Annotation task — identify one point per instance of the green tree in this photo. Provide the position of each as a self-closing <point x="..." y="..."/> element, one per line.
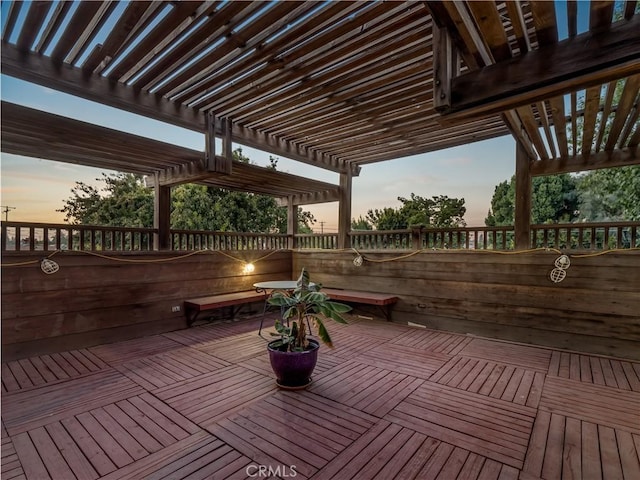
<point x="553" y="198"/>
<point x="387" y="219"/>
<point x="437" y="211"/>
<point x="125" y="202"/>
<point x="611" y="194"/>
<point x="502" y="205"/>
<point x="447" y="212"/>
<point x="360" y="224"/>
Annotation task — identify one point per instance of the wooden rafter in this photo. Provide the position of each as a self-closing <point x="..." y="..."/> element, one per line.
<point x="560" y="69"/>
<point x="579" y="163"/>
<point x="32" y="133"/>
<point x="71" y="80"/>
<point x="340" y="84"/>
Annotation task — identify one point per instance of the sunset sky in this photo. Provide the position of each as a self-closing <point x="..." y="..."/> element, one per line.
<point x="37" y="188"/>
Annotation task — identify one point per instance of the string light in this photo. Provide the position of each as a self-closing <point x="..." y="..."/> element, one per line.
<point x="248" y="268"/>
<point x="48" y="266"/>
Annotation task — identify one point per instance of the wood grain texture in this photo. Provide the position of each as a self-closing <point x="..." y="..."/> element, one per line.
<point x="503" y="296"/>
<point x="408" y="403"/>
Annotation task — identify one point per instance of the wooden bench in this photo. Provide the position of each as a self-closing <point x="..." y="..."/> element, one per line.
<point x="381" y="300"/>
<point x="195" y="306"/>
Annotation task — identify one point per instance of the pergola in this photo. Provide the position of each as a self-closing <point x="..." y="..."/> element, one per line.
<point x="489" y="368"/>
<point x="337" y="85"/>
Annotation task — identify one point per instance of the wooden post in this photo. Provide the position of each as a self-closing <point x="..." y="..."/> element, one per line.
<point x="416" y="237"/>
<point x="292" y="221"/>
<point x="210" y="139"/>
<point x="344" y="210"/>
<point x="161" y="216"/>
<point x="522" y="223"/>
<point x="444" y="68"/>
<point x="227" y="143"/>
<point x="218" y="163"/>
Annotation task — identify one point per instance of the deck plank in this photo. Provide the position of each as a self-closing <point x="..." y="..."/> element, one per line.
<point x="164" y="463"/>
<point x="531" y="358"/>
<point x="207" y="398"/>
<point x="408" y="360"/>
<point x="165" y="369"/>
<point x="597" y="404"/>
<point x="390" y="401"/>
<point x="372" y="390"/>
<point x="128" y="350"/>
<point x="26" y="410"/>
<point x="489" y="427"/>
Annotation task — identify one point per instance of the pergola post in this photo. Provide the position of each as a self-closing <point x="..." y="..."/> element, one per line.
<point x="161" y="216"/>
<point x="344" y="209"/>
<point x="292" y="221"/>
<point x="522" y="221"/>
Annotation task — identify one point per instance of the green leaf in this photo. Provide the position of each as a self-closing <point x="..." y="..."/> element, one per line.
<point x="323" y="333"/>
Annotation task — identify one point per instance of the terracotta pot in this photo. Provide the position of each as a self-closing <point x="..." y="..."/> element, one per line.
<point x="293" y="369"/>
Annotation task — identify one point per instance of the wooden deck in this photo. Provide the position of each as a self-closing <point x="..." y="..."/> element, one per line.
<point x="388" y="402"/>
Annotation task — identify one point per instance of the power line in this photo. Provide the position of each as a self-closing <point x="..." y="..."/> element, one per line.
<point x="5" y="210"/>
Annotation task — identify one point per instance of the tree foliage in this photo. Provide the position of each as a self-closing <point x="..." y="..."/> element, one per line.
<point x="360" y="224"/>
<point x="125" y="201"/>
<point x="611" y="194"/>
<point x="437" y="211"/>
<point x="604" y="195"/>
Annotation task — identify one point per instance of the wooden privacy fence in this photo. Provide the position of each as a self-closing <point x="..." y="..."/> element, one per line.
<point x="23" y="236"/>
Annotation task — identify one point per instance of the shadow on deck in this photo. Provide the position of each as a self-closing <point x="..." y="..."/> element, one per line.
<point x="389" y="402"/>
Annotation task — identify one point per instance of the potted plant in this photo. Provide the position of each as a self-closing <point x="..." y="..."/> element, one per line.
<point x="293" y="355"/>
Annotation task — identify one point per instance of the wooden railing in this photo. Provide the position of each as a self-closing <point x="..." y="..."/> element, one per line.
<point x="382" y="239"/>
<point x="200" y="240"/>
<point x="23" y="236"/>
<point x="315" y="240"/>
<point x="587" y="236"/>
<point x="473" y="238"/>
<point x="19" y="236"/>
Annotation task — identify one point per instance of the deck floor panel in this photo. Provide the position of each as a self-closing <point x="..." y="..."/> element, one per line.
<point x="236" y="348"/>
<point x="567" y="447"/>
<point x="408" y="360"/>
<point x="120" y="352"/>
<point x="489" y="427"/>
<point x="513" y="384"/>
<point x="599" y="404"/>
<point x="47" y="369"/>
<point x="531" y="358"/>
<point x="177" y="461"/>
<point x="369" y="389"/>
<point x="433" y="341"/>
<point x="25" y="410"/>
<point x="168" y="368"/>
<point x="597" y="370"/>
<point x="389" y="402"/>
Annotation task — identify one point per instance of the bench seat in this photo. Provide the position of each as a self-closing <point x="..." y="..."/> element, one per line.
<point x="195" y="306"/>
<point x="382" y="300"/>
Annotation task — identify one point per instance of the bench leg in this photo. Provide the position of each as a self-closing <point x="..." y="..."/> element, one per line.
<point x="192" y="317"/>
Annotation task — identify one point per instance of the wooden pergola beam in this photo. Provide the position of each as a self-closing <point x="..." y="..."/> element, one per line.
<point x="578" y="163"/>
<point x="587" y="60"/>
<point x="72" y="80"/>
<point x="326" y="196"/>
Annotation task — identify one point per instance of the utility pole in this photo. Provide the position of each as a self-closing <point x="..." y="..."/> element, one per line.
<point x="322" y="227"/>
<point x="5" y="210"/>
